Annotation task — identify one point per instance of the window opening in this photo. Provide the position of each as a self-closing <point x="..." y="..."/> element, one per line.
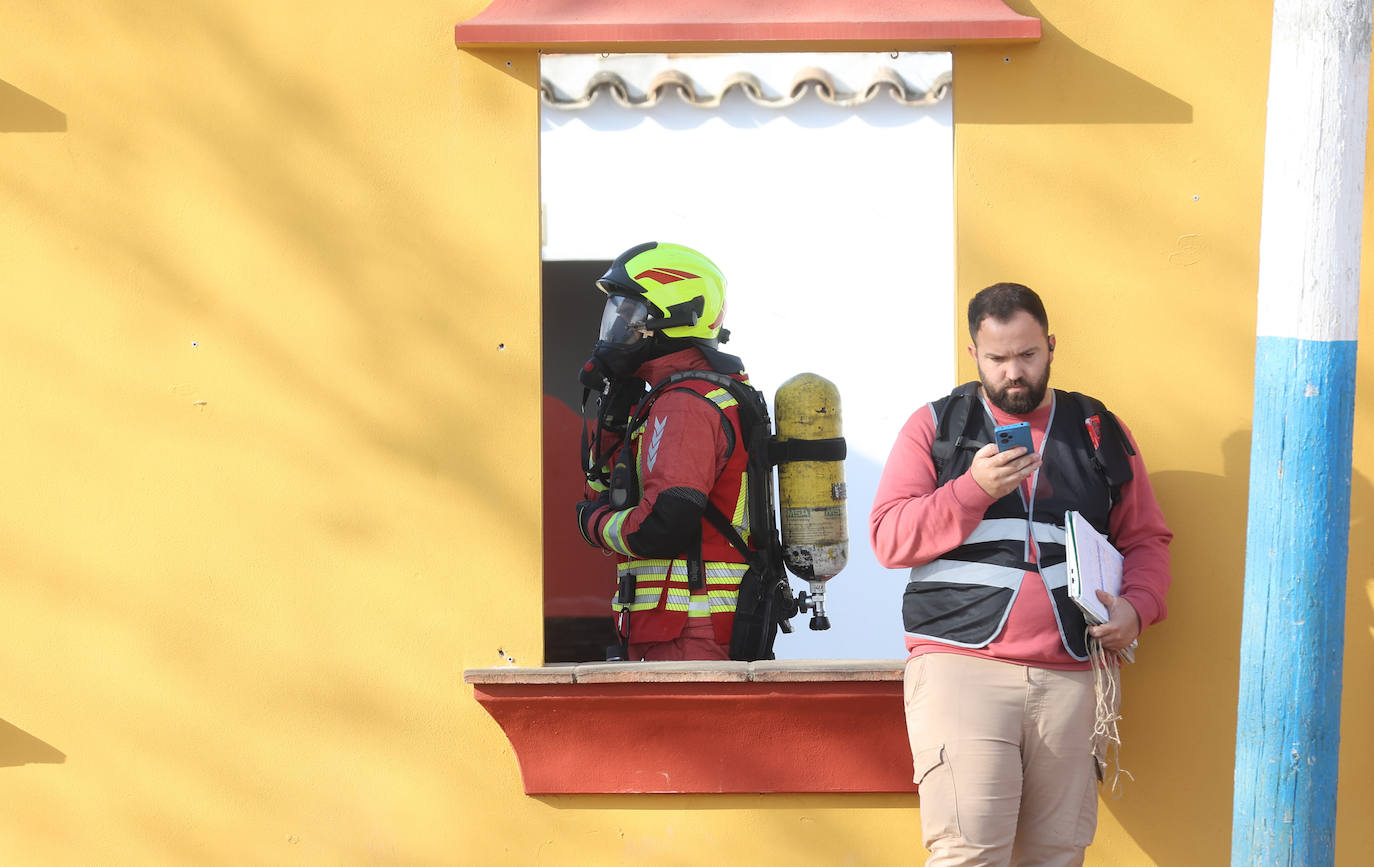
<point x="822" y="184"/>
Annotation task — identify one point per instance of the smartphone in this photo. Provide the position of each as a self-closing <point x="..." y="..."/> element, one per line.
<point x="1009" y="436"/>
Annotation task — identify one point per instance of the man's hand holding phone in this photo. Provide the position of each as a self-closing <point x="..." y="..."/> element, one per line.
<point x="1003" y="464"/>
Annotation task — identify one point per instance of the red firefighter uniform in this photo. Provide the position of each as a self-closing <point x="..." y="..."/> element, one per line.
<point x="684" y="457"/>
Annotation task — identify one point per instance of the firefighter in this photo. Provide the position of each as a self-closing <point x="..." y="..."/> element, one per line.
<point x="655" y="465"/>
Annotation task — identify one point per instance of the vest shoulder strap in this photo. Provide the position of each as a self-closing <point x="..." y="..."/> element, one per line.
<point x="956" y="420"/>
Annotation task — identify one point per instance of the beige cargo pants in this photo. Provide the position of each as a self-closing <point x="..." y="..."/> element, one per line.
<point x="1004" y="759"/>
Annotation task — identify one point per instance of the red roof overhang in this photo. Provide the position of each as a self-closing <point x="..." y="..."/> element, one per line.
<point x="728" y="25"/>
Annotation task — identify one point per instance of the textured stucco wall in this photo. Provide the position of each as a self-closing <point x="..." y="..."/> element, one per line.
<point x="270" y="367"/>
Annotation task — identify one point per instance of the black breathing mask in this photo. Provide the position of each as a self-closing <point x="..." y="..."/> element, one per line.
<point x="611" y="362"/>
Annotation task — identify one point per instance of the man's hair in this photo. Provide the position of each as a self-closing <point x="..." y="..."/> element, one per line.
<point x="1002" y="301"/>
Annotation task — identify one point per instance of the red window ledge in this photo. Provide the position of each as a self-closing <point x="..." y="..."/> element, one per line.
<point x="694" y="727"/>
<point x="728" y="24"/>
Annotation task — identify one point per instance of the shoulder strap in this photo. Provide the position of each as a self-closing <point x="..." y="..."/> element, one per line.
<point x="676" y="381"/>
<point x="1105" y="442"/>
<point x="726" y="529"/>
<point x="955" y="413"/>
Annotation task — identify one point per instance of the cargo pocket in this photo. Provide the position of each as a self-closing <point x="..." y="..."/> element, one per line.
<point x="939" y="804"/>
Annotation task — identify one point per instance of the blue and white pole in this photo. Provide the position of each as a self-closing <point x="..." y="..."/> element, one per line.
<point x="1297" y="541"/>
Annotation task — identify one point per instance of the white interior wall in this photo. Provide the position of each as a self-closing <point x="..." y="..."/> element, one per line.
<point x="834" y="228"/>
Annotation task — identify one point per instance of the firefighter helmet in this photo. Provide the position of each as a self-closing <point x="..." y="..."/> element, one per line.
<point x="684" y="290"/>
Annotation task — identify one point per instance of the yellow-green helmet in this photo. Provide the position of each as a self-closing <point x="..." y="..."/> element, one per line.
<point x="684" y="290"/>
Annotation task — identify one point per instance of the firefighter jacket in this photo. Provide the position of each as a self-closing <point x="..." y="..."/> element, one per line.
<point x="964" y="597"/>
<point x="689" y="451"/>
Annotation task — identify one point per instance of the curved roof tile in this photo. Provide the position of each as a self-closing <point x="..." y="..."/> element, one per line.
<point x="690" y="85"/>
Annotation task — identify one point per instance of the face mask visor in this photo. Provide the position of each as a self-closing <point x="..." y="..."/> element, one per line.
<point x="623" y="321"/>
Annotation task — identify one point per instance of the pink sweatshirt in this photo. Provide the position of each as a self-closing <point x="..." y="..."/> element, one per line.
<point x="913" y="522"/>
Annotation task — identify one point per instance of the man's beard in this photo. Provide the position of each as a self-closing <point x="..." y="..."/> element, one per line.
<point x="1019" y="403"/>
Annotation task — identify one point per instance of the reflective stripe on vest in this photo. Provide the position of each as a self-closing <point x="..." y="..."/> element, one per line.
<point x="654" y="578"/>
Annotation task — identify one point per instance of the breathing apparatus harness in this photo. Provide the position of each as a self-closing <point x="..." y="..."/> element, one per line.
<point x="614" y="408"/>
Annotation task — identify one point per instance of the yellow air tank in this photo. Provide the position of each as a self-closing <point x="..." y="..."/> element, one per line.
<point x="811" y="491"/>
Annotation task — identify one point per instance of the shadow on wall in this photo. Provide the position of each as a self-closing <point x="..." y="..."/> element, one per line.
<point x="1179" y="700"/>
<point x="1089" y="88"/>
<point x="1356" y="783"/>
<point x="1178" y="724"/>
<point x="346" y="236"/>
<point x="18" y="747"/>
<point x="20" y="112"/>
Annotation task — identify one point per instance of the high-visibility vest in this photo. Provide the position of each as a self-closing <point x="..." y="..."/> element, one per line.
<point x="964" y="597"/>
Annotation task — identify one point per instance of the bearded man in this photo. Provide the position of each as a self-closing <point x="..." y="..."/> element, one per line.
<point x="999" y="693"/>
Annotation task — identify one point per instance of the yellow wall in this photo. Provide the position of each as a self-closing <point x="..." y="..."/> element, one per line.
<point x="269" y="365"/>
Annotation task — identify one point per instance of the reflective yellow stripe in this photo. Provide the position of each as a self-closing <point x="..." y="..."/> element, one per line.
<point x="677" y="601"/>
<point x="611" y="532"/>
<point x="639" y="458"/>
<point x="716" y="602"/>
<point x="723" y="601"/>
<point x="646" y="599"/>
<point x="717" y="571"/>
<point x="653" y="578"/>
<point x="741" y="516"/>
<point x="722" y="398"/>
